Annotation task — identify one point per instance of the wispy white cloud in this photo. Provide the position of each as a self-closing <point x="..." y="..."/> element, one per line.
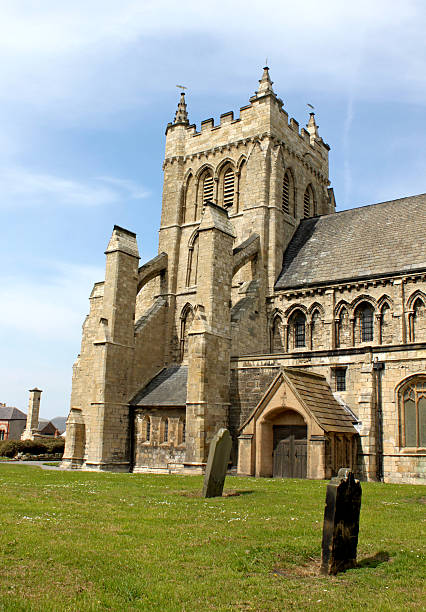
<point x="50" y="304"/>
<point x="134" y="190"/>
<point x="23" y="187"/>
<point x="84" y="60"/>
<point x="41" y="313"/>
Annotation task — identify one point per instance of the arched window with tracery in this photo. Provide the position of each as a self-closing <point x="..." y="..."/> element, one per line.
<point x="186" y="319"/>
<point x="418" y="324"/>
<point x="364" y="323"/>
<point x="192" y="265"/>
<point x="277" y="340"/>
<point x="297" y="329"/>
<point x="412" y="410"/>
<point x="308" y="202"/>
<point x="288" y="193"/>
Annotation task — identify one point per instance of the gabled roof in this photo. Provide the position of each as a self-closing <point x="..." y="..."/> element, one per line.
<point x="168" y="388"/>
<point x="314" y="393"/>
<point x="60" y="423"/>
<point x="370" y="241"/>
<point x="10" y="413"/>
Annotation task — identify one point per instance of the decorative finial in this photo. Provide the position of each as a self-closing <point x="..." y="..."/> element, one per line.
<point x="311" y="125"/>
<point x="181" y="115"/>
<point x="265" y="84"/>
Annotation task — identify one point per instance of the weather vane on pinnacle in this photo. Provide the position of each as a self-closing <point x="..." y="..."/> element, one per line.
<point x="181" y="87"/>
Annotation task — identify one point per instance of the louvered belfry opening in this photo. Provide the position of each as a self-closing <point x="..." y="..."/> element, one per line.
<point x="208" y="189"/>
<point x="308" y="202"/>
<point x="286" y="194"/>
<point x="228" y="188"/>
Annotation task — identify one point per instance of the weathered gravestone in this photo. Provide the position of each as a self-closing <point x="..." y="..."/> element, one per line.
<point x="217" y="463"/>
<point x="341" y="523"/>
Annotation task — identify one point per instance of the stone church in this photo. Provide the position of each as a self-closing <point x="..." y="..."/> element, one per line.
<point x="300" y="329"/>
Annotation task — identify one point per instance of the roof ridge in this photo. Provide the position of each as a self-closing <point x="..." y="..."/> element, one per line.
<point x="363" y="206"/>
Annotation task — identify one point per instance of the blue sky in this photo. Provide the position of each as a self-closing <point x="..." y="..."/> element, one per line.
<point x="87" y="88"/>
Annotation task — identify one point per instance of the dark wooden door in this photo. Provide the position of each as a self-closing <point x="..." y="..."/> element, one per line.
<point x="290" y="451"/>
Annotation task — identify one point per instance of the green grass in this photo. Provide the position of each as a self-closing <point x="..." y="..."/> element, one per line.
<point x="52" y="463"/>
<point x="84" y="541"/>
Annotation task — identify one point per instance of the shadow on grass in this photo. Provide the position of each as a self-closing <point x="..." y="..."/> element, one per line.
<point x="381" y="557"/>
<point x="226" y="493"/>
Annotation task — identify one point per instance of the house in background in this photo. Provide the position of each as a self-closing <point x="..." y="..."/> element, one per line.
<point x="12" y="422"/>
<point x="16" y="425"/>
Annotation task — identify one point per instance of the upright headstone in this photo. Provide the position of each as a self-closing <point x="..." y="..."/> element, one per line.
<point x="217" y="463"/>
<point x="341" y="523"/>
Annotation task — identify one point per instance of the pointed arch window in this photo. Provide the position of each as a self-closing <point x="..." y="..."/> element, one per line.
<point x="166" y="430"/>
<point x="343" y="328"/>
<point x="277" y="344"/>
<point x="418" y="321"/>
<point x="413" y="413"/>
<point x="385" y="324"/>
<point x="228" y="188"/>
<point x="187" y="317"/>
<point x="146" y="429"/>
<point x="288" y="193"/>
<point x="367" y="323"/>
<point x="207" y="188"/>
<point x="308" y="202"/>
<point x="182" y="431"/>
<point x="297" y="325"/>
<point x="192" y="266"/>
<point x="189" y="208"/>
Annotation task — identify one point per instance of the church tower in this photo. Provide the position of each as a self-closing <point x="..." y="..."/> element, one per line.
<point x="233" y="197"/>
<point x="268" y="175"/>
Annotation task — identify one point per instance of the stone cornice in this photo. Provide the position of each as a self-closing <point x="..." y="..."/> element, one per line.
<point x="181" y="159"/>
<point x="347" y="285"/>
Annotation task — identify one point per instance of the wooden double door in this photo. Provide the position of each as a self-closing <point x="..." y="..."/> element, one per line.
<point x="290" y="451"/>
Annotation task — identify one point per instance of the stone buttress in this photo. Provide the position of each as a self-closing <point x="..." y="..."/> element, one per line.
<point x="98" y="436"/>
<point x="209" y="342"/>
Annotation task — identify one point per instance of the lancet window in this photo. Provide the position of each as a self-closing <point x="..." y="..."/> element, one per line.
<point x="187" y="317"/>
<point x="207" y="188"/>
<point x="288" y="193"/>
<point x="228" y="188"/>
<point x="308" y="202"/>
<point x="297" y="324"/>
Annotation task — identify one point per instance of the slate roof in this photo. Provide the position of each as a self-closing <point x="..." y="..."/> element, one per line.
<point x="315" y="393"/>
<point x="168" y="388"/>
<point x="60" y="423"/>
<point x="9" y="413"/>
<point x="364" y="242"/>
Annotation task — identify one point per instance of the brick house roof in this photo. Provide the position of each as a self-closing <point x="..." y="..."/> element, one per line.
<point x="10" y="413"/>
<point x="365" y="242"/>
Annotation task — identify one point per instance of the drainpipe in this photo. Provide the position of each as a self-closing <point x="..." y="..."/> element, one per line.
<point x="378" y="367"/>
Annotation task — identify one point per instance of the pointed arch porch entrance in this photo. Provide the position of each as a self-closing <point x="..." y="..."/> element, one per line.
<point x="296" y="430"/>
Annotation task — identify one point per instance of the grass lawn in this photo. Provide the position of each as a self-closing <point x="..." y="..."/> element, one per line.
<point x="87" y="541"/>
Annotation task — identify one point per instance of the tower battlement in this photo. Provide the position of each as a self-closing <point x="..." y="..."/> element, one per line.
<point x="263" y="115"/>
